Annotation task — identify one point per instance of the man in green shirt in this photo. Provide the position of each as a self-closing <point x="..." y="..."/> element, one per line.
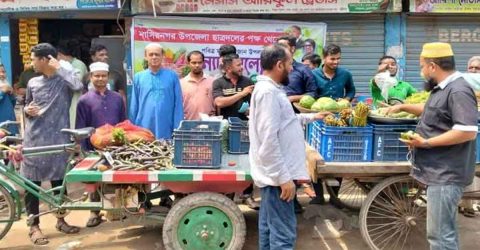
<point x="397" y="89"/>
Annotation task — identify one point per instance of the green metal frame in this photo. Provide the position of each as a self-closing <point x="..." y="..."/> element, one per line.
<point x="45" y="195"/>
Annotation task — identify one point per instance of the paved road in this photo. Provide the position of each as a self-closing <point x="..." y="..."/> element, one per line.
<point x="132" y="235"/>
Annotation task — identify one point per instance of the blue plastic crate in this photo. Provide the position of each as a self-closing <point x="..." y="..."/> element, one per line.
<point x="198" y="144"/>
<point x="386" y="146"/>
<point x="348" y="144"/>
<point x="238" y="139"/>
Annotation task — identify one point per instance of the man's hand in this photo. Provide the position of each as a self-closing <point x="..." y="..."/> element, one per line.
<point x="321" y="115"/>
<point x="288" y="191"/>
<point x="53" y="62"/>
<point x="416" y="141"/>
<point x="382" y="68"/>
<point x="5" y="88"/>
<point x="391" y="110"/>
<point x="32" y="110"/>
<point x="247" y="90"/>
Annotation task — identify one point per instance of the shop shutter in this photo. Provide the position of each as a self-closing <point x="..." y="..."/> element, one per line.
<point x="361" y="37"/>
<point x="362" y="41"/>
<point x="462" y="32"/>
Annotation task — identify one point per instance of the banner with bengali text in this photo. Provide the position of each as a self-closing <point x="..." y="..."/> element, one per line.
<point x="179" y="36"/>
<point x="53" y="5"/>
<point x="265" y="6"/>
<point x="445" y="6"/>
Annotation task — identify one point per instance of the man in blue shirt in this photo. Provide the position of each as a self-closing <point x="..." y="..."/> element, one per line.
<point x="300" y="79"/>
<point x="333" y="81"/>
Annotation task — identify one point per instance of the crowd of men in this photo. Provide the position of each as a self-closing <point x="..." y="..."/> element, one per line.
<point x="62" y="93"/>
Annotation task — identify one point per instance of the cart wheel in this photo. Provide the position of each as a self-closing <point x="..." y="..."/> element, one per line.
<point x="7" y="211"/>
<point x="204" y="221"/>
<point x="351" y="195"/>
<point x="394" y="215"/>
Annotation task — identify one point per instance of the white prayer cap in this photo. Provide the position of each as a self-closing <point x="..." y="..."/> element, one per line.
<point x="98" y="66"/>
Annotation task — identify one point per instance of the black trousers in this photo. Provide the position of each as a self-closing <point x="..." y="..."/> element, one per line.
<point x="318" y="188"/>
<point x="32" y="204"/>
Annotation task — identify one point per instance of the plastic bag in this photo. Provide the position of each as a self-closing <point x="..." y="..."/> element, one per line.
<point x="384" y="82"/>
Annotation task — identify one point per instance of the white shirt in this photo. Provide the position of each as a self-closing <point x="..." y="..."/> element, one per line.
<point x="277" y="148"/>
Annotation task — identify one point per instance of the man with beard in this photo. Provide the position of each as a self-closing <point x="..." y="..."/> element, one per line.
<point x="232" y="89"/>
<point x="277" y="150"/>
<point x="385" y="86"/>
<point x="47" y="104"/>
<point x="444" y="148"/>
<point x="197" y="89"/>
<point x="230" y="92"/>
<point x="300" y="80"/>
<point x="97" y="108"/>
<point x="333" y="81"/>
<point x="156" y="102"/>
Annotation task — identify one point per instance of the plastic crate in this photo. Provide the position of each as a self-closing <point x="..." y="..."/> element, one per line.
<point x="198" y="145"/>
<point x="386" y="146"/>
<point x="348" y="144"/>
<point x="238" y="139"/>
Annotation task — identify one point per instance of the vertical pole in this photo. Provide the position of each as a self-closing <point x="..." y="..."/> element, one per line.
<point x="395" y="40"/>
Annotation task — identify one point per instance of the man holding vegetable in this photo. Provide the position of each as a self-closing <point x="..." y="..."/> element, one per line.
<point x="277" y="150"/>
<point x="444" y="146"/>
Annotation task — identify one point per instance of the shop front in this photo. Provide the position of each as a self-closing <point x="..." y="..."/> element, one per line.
<point x="77" y="23"/>
<point x="356" y="26"/>
<point x="456" y="22"/>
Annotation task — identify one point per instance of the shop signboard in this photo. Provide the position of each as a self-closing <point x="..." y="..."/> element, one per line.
<point x="445" y="6"/>
<point x="266" y="6"/>
<point x="180" y="36"/>
<point x="55" y="5"/>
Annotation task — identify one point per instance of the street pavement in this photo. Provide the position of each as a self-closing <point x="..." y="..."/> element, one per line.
<point x="133" y="234"/>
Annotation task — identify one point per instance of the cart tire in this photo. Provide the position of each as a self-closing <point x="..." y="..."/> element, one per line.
<point x="351" y="194"/>
<point x="204" y="221"/>
<point x="394" y="215"/>
<point x="7" y="211"/>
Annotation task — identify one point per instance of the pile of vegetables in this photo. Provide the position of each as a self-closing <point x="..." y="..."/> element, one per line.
<point x="124" y="132"/>
<point x="356" y="117"/>
<point x="138" y="156"/>
<point x="360" y="115"/>
<point x="399" y="115"/>
<point x="420" y="97"/>
<point x="324" y="104"/>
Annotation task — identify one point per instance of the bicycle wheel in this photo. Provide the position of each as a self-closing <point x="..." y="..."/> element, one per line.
<point x="7" y="211"/>
<point x="394" y="215"/>
<point x="351" y="195"/>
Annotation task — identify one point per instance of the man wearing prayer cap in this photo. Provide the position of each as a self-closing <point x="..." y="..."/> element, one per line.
<point x="444" y="146"/>
<point x="96" y="108"/>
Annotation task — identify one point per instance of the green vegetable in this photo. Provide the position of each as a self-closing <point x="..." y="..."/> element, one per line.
<point x="325" y="104"/>
<point x="407" y="135"/>
<point x="343" y="104"/>
<point x="307" y="101"/>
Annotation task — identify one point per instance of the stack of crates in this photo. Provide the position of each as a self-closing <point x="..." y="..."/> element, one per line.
<point x="238" y="139"/>
<point x="198" y="144"/>
<point x="386" y="143"/>
<point x="347" y="144"/>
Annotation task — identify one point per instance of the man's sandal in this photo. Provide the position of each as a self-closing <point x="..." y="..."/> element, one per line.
<point x="94" y="221"/>
<point x="37" y="237"/>
<point x="66" y="229"/>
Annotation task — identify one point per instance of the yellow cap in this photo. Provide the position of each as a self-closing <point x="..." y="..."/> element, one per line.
<point x="436" y="50"/>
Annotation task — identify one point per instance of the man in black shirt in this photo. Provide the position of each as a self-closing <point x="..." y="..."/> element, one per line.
<point x="444" y="148"/>
<point x="233" y="89"/>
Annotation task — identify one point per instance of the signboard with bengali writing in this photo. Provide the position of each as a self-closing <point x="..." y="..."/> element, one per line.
<point x="266" y="6"/>
<point x="445" y="6"/>
<point x="180" y="36"/>
<point x="52" y="5"/>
